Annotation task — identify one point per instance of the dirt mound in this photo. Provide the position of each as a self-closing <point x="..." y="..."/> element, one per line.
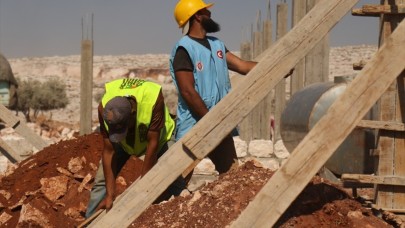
<point x="51" y="189"/>
<point x="219" y="203"/>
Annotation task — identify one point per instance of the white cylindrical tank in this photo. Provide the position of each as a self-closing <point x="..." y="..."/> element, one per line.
<point x="306" y="107"/>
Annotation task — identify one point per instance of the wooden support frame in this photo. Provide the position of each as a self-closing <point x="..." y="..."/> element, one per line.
<point x="369" y="179"/>
<point x="382" y="125"/>
<point x="280" y="94"/>
<point x="275" y="63"/>
<point x="86" y="87"/>
<point x="391" y="144"/>
<point x="299" y="9"/>
<point x="377" y="10"/>
<point x="326" y="136"/>
<point x="317" y="60"/>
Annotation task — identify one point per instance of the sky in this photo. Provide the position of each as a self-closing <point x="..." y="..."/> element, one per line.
<point x="39" y="28"/>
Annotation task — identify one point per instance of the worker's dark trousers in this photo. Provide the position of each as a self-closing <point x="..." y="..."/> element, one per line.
<point x="99" y="191"/>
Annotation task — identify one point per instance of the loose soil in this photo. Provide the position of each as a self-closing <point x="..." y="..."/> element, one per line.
<point x="216" y="204"/>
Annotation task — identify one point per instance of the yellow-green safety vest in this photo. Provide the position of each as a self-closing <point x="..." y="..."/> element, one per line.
<point x="146" y="94"/>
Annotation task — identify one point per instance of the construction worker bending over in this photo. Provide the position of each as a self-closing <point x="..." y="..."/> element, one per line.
<point x="134" y="120"/>
<point x="199" y="67"/>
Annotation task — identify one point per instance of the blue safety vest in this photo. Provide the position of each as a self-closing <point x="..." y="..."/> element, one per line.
<point x="210" y="75"/>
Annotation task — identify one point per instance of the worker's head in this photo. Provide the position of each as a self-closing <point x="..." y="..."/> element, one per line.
<point x="185" y="10"/>
<point x="117" y="115"/>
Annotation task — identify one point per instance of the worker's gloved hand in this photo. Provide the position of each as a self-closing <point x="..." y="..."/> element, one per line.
<point x="106" y="203"/>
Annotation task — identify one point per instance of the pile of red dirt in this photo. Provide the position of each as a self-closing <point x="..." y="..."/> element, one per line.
<point x="51" y="189"/>
<point x="219" y="203"/>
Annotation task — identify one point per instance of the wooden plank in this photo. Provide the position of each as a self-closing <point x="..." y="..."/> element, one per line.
<point x="12" y="121"/>
<point x="388" y="142"/>
<point x="385" y="164"/>
<point x="267" y="28"/>
<point x="258" y="110"/>
<point x="299" y="9"/>
<point x="275" y="63"/>
<point x="86" y="87"/>
<point x="268" y="100"/>
<point x="245" y="126"/>
<point x="369" y="179"/>
<point x="359" y="12"/>
<point x="377" y="10"/>
<point x="385" y="149"/>
<point x="382" y="9"/>
<point x="326" y="136"/>
<point x="280" y="94"/>
<point x="91" y="218"/>
<point x="317" y="60"/>
<point x="258" y="37"/>
<point x="382" y="125"/>
<point x="9" y="152"/>
<point x="399" y="156"/>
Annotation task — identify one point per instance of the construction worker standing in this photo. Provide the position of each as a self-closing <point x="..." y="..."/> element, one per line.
<point x="133" y="121"/>
<point x="199" y="67"/>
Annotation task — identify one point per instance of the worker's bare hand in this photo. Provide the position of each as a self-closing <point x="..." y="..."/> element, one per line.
<point x="106" y="203"/>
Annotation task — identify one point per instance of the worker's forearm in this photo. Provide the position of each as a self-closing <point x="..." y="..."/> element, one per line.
<point x="245" y="67"/>
<point x="151" y="151"/>
<point x="108" y="173"/>
<point x="149" y="161"/>
<point x="195" y="103"/>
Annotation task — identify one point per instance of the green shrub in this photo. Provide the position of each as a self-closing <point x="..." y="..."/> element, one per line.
<point x="36" y="96"/>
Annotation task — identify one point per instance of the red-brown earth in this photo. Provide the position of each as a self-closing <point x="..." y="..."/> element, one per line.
<point x="52" y="187"/>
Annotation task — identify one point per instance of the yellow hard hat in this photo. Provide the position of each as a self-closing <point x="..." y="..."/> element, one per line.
<point x="187" y="8"/>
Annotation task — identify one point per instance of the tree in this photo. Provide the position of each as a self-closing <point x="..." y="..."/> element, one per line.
<point x="37" y="96"/>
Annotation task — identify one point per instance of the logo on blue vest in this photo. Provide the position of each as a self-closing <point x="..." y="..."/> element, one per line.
<point x="220" y="54"/>
<point x="199" y="66"/>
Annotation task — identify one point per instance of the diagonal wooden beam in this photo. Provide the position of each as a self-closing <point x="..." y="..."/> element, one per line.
<point x="326" y="136"/>
<point x="12" y="121"/>
<point x="276" y="62"/>
<point x="9" y="152"/>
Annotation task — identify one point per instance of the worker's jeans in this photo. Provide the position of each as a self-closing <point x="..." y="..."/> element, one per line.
<point x="98" y="190"/>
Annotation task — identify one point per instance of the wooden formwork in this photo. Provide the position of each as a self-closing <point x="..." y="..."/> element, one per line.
<point x="329" y="132"/>
<point x="390" y="153"/>
<point x="275" y="63"/>
<point x="311" y="69"/>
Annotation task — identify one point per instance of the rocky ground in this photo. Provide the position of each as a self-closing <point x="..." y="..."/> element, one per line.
<point x="50" y="188"/>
